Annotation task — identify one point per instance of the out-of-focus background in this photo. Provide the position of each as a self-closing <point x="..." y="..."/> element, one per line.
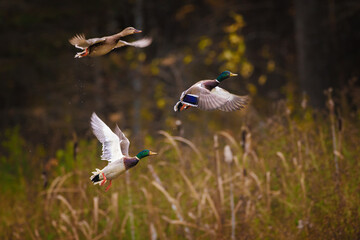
<point x="292" y="159"/>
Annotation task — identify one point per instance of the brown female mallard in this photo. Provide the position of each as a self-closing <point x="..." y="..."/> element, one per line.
<point x="206" y="95"/>
<point x="94" y="47"/>
<point x="115" y="147"/>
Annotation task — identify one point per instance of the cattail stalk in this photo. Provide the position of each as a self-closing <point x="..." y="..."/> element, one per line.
<point x="229" y="159"/>
<point x="333" y="129"/>
<point x="219" y="182"/>
<point x="130" y="205"/>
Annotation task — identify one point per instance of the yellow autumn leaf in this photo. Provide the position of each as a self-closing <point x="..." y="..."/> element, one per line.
<point x="141" y="56"/>
<point x="234" y="38"/>
<point x="262" y="79"/>
<point x="154" y="67"/>
<point x="246" y="69"/>
<point x="252" y="89"/>
<point x="188" y="59"/>
<point x="204" y="43"/>
<point x="160" y="103"/>
<point x="270" y="66"/>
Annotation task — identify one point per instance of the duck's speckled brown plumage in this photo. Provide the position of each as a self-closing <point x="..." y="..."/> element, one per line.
<point x="94" y="47"/>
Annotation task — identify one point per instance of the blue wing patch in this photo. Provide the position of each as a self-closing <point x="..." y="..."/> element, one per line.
<point x="191" y="100"/>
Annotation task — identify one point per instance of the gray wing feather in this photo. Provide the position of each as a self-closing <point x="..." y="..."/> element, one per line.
<point x="237" y="103"/>
<point x="221" y="99"/>
<point x="210" y="101"/>
<point x="233" y="102"/>
<point x="124" y="142"/>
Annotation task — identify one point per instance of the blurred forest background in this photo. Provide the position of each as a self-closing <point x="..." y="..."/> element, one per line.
<point x="293" y="153"/>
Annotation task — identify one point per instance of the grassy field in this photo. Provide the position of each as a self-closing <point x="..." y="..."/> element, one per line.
<point x="291" y="175"/>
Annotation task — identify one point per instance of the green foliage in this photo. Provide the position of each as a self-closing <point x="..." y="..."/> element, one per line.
<point x="14" y="162"/>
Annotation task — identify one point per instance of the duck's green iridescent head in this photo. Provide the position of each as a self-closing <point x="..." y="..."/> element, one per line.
<point x="145" y="153"/>
<point x="224" y="75"/>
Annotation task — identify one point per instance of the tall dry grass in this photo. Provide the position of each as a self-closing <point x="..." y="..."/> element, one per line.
<point x="294" y="175"/>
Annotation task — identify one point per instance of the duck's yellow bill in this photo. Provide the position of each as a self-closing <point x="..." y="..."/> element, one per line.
<point x="152" y="153"/>
<point x="233" y="74"/>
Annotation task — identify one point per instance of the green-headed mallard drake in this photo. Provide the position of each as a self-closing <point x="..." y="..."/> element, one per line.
<point x="206" y="95"/>
<point x="94" y="47"/>
<point x="115" y="149"/>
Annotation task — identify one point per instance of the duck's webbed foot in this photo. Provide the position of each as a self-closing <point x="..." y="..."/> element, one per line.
<point x="104" y="179"/>
<point x="82" y="54"/>
<point x="108" y="187"/>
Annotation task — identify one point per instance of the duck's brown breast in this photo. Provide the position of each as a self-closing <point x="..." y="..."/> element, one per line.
<point x="130" y="162"/>
<point x="209" y="84"/>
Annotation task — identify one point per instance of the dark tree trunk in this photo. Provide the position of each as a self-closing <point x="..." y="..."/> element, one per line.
<point x="315" y="68"/>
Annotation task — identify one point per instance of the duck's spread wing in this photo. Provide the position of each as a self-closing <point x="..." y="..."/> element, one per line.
<point x="110" y="141"/>
<point x="210" y="100"/>
<point x="235" y="102"/>
<point x="141" y="43"/>
<point x="79" y="41"/>
<point x="232" y="102"/>
<point x="124" y="142"/>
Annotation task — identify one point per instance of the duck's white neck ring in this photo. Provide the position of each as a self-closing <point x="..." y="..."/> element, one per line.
<point x="217" y="81"/>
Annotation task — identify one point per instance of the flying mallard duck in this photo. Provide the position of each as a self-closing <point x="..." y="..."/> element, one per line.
<point x="115" y="150"/>
<point x="94" y="47"/>
<point x="206" y="95"/>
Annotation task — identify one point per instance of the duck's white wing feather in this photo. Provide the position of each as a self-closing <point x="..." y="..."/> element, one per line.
<point x="124" y="142"/>
<point x="110" y="141"/>
<point x="141" y="43"/>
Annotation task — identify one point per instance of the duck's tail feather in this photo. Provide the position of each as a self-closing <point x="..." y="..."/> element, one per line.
<point x="95" y="178"/>
<point x="178" y="106"/>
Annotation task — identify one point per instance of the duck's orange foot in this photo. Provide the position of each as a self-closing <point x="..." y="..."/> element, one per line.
<point x="104" y="180"/>
<point x="108" y="187"/>
<point x="184" y="107"/>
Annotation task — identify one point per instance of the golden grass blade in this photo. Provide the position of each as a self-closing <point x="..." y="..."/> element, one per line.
<point x="202" y="203"/>
<point x="152" y="214"/>
<point x="218" y="170"/>
<point x="175" y="206"/>
<point x="166" y="194"/>
<point x="53" y="187"/>
<point x="172" y="142"/>
<point x="123" y="224"/>
<point x="268" y="192"/>
<point x="96" y="214"/>
<point x="153" y="232"/>
<point x="190" y="144"/>
<point x="115" y="204"/>
<point x="257" y="181"/>
<point x="67" y="220"/>
<point x="85" y="229"/>
<point x="179" y="222"/>
<point x="68" y="205"/>
<point x="213" y="208"/>
<point x="283" y="160"/>
<point x="238" y="205"/>
<point x="130" y="204"/>
<point x="153" y="173"/>
<point x="190" y="185"/>
<point x="230" y="138"/>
